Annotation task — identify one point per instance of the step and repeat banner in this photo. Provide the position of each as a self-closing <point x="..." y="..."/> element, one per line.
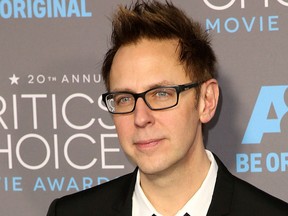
<point x="56" y="137"/>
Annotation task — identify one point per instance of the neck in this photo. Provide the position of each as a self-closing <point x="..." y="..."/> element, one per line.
<point x="171" y="189"/>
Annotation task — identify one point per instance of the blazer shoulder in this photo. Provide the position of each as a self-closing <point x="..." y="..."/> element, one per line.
<point x="97" y="199"/>
<point x="257" y="199"/>
<point x="234" y="196"/>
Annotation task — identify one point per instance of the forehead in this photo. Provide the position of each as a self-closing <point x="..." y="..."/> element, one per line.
<point x="145" y="63"/>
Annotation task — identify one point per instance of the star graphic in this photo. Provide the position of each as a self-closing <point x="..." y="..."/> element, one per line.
<point x="14" y="79"/>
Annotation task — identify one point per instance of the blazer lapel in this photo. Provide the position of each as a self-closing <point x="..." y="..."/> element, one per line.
<point x="223" y="191"/>
<point x="124" y="205"/>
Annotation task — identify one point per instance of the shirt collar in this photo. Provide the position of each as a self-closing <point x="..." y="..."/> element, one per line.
<point x="197" y="205"/>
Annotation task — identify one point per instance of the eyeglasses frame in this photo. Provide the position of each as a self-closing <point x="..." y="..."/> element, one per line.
<point x="178" y="88"/>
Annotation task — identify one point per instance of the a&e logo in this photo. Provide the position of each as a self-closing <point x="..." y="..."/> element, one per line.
<point x="268" y="115"/>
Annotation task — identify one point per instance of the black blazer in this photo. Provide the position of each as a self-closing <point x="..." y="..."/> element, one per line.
<point x="232" y="196"/>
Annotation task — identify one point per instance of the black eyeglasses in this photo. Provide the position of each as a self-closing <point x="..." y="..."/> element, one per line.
<point x="158" y="98"/>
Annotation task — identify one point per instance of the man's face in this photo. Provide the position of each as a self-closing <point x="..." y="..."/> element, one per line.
<point x="155" y="140"/>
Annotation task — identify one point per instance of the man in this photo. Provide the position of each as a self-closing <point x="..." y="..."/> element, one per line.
<point x="161" y="86"/>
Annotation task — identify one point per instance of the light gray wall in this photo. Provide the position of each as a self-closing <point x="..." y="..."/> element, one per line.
<point x="54" y="128"/>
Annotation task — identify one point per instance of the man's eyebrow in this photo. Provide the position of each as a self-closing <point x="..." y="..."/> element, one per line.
<point x="154" y="85"/>
<point x="163" y="83"/>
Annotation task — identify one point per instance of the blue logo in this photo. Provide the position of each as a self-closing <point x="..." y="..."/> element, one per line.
<point x="268" y="112"/>
<point x="234" y="24"/>
<point x="27" y="9"/>
<point x="268" y="115"/>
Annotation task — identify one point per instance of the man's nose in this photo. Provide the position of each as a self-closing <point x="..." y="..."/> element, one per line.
<point x="143" y="115"/>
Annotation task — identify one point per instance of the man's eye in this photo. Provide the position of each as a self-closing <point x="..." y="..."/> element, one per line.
<point x="122" y="100"/>
<point x="125" y="99"/>
<point x="162" y="94"/>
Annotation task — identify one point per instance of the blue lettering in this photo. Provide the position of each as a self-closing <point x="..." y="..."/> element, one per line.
<point x="43" y="8"/>
<point x="56" y="184"/>
<point x="11" y="183"/>
<point x="19" y="7"/>
<point x="39" y="185"/>
<point x="83" y="9"/>
<point x="210" y="26"/>
<point x="261" y="24"/>
<point x="29" y="9"/>
<point x="284" y="161"/>
<point x="16" y="182"/>
<point x="59" y="184"/>
<point x="87" y="182"/>
<point x="59" y="8"/>
<point x="6" y="9"/>
<point x="256" y="162"/>
<point x="242" y="163"/>
<point x="49" y="9"/>
<point x="73" y="9"/>
<point x="229" y="20"/>
<point x="102" y="180"/>
<point x="253" y="162"/>
<point x="233" y="24"/>
<point x="272" y="22"/>
<point x="39" y="11"/>
<point x="248" y="27"/>
<point x="272" y="162"/>
<point x="6" y="184"/>
<point x="72" y="185"/>
<point x="270" y="97"/>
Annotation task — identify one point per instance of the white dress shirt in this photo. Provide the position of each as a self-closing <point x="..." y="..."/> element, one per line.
<point x="198" y="205"/>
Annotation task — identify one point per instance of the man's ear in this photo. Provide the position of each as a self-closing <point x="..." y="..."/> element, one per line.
<point x="208" y="100"/>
